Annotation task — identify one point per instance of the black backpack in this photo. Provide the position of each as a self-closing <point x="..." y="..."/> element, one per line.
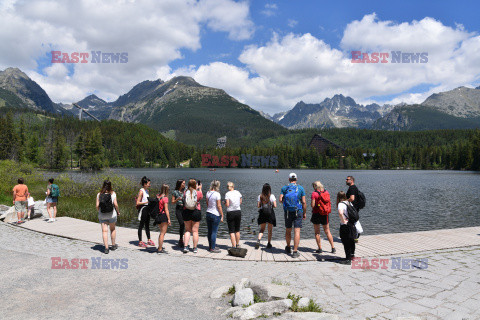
<point x="152" y="207"/>
<point x="360" y="200"/>
<point x="105" y="203"/>
<point x="352" y="213"/>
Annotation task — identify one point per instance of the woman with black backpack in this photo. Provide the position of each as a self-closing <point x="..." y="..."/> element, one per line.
<point x="143" y="215"/>
<point x="163" y="218"/>
<point x="107" y="208"/>
<point x="347" y="214"/>
<point x="266" y="215"/>
<point x="177" y="199"/>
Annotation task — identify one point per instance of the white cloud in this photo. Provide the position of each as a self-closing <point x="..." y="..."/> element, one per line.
<point x="153" y="33"/>
<point x="302" y="67"/>
<point x="270" y="9"/>
<point x="292" y="23"/>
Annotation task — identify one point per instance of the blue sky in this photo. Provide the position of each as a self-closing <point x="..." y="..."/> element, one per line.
<point x="268" y="54"/>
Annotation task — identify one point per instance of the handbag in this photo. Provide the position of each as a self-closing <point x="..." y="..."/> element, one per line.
<point x="358" y="226"/>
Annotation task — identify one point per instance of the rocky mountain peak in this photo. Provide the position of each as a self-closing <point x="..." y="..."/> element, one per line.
<point x="15" y="73"/>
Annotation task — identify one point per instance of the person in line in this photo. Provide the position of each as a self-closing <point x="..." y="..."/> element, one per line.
<point x="347" y="230"/>
<point x="177" y="199"/>
<point x="266" y="215"/>
<point x="192" y="214"/>
<point x="352" y="196"/>
<point x="30" y="206"/>
<point x="321" y="208"/>
<point x="294" y="205"/>
<point x="143" y="215"/>
<point x="20" y="192"/>
<point x="108" y="211"/>
<point x="214" y="214"/>
<point x="163" y="219"/>
<point x="233" y="200"/>
<point x="53" y="192"/>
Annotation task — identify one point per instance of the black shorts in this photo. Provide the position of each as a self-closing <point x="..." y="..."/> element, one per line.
<point x="233" y="221"/>
<point x="318" y="218"/>
<point x="265" y="217"/>
<point x="192" y="215"/>
<point x="161" y="218"/>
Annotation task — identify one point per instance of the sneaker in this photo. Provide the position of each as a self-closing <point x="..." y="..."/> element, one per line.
<point x="334" y="250"/>
<point x="150" y="242"/>
<point x="186" y="249"/>
<point x="356" y="240"/>
<point x="163" y="251"/>
<point x="288" y="249"/>
<point x="295" y="254"/>
<point x="28" y="219"/>
<point x="347" y="262"/>
<point x="106" y="251"/>
<point x="319" y="251"/>
<point x="257" y="245"/>
<point x="142" y="244"/>
<point x="50" y="220"/>
<point x="216" y="250"/>
<point x="195" y="250"/>
<point x="269" y="245"/>
<point x="114" y="247"/>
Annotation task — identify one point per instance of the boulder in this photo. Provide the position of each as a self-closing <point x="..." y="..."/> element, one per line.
<point x="303" y="302"/>
<point x="242" y="284"/>
<point x="269" y="292"/>
<point x="229" y="312"/>
<point x="9" y="216"/>
<point x="243" y="297"/>
<point x="3" y="208"/>
<point x="219" y="292"/>
<point x="263" y="309"/>
<point x="307" y="316"/>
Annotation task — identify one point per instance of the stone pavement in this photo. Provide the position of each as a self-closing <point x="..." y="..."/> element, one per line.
<point x="369" y="246"/>
<point x="178" y="286"/>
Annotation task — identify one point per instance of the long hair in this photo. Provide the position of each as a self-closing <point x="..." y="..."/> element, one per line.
<point x="144" y="181"/>
<point x="317" y="185"/>
<point x="107" y="187"/>
<point x="266" y="192"/>
<point x="192" y="186"/>
<point x="179" y="184"/>
<point x="215" y="185"/>
<point x="165" y="189"/>
<point x="341" y="196"/>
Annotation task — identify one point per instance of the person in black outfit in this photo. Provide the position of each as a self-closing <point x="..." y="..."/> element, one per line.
<point x="352" y="196"/>
<point x="177" y="198"/>
<point x="347" y="229"/>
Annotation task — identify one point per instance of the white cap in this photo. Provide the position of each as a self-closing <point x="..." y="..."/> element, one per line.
<point x="292" y="176"/>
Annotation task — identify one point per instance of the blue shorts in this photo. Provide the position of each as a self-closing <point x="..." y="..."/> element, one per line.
<point x="52" y="200"/>
<point x="294" y="219"/>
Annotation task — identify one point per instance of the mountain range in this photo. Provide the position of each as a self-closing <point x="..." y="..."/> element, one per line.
<point x="198" y="114"/>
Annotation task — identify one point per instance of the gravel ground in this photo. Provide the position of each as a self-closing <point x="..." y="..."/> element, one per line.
<point x="178" y="287"/>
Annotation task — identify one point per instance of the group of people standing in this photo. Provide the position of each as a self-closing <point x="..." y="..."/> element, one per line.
<point x="24" y="202"/>
<point x="187" y="198"/>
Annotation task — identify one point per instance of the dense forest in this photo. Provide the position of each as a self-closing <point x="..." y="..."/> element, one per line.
<point x="369" y="149"/>
<point x="58" y="143"/>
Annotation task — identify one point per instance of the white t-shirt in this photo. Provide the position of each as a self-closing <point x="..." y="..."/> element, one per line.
<point x="108" y="215"/>
<point x="342" y="208"/>
<point x="272" y="198"/>
<point x="145" y="195"/>
<point x="212" y="197"/>
<point x="234" y="197"/>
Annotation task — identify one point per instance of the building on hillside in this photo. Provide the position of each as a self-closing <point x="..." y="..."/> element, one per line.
<point x="321" y="145"/>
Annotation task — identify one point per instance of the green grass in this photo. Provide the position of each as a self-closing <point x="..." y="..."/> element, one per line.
<point x="231" y="290"/>
<point x="311" y="307"/>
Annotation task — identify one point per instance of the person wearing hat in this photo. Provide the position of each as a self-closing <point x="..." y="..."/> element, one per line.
<point x="294" y="206"/>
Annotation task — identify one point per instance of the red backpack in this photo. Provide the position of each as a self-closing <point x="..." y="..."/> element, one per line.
<point x="324" y="204"/>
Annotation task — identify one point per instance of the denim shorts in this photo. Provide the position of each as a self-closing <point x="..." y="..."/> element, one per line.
<point x="294" y="219"/>
<point x="52" y="200"/>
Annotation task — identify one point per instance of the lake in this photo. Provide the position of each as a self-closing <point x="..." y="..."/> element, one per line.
<point x="397" y="200"/>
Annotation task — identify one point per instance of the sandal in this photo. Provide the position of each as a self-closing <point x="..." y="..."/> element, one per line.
<point x="150" y="242"/>
<point x="142" y="244"/>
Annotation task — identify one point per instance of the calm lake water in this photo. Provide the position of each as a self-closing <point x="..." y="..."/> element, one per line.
<point x="397" y="201"/>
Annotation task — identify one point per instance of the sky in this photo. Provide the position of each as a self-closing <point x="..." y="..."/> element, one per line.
<point x="267" y="54"/>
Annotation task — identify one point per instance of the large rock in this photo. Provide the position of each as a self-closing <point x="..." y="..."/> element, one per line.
<point x="231" y="311"/>
<point x="242" y="284"/>
<point x="243" y="297"/>
<point x="3" y="208"/>
<point x="40" y="211"/>
<point x="219" y="292"/>
<point x="263" y="309"/>
<point x="269" y="292"/>
<point x="307" y="316"/>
